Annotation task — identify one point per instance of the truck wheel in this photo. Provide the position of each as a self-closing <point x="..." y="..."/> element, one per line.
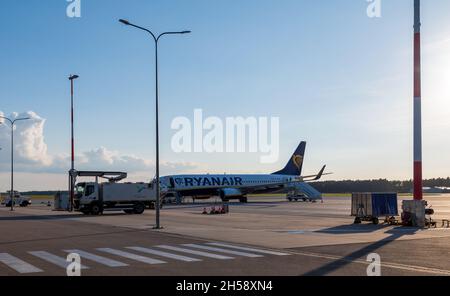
<point x="96" y="210"/>
<point x="243" y="199"/>
<point x="139" y="209"/>
<point x="376" y="221"/>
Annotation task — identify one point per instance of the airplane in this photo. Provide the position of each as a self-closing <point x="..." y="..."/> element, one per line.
<point x="240" y="186"/>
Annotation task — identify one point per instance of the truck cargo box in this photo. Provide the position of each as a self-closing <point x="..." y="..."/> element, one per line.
<point x="128" y="192"/>
<point x="374" y="204"/>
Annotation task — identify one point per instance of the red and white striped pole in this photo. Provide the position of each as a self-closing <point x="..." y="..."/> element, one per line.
<point x="418" y="183"/>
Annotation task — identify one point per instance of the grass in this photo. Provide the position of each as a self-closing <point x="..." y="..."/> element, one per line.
<point x="40" y="197"/>
<point x="350" y="195"/>
<point x="337" y="195"/>
<point x="268" y="195"/>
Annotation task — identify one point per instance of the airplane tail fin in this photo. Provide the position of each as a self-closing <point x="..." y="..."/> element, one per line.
<point x="295" y="164"/>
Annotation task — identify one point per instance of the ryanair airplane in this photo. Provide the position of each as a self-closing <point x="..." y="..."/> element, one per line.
<point x="239" y="186"/>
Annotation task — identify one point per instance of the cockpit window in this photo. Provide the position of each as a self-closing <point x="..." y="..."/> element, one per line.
<point x="80" y="189"/>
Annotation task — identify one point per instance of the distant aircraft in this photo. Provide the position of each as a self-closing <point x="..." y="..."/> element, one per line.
<point x="239" y="186"/>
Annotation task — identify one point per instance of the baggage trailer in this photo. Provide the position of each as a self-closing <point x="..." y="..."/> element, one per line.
<point x="372" y="206"/>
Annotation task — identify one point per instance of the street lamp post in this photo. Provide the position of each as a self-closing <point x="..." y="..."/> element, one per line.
<point x="72" y="167"/>
<point x="156" y="39"/>
<point x="12" y="122"/>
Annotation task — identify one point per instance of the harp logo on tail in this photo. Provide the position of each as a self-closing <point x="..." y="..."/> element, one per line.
<point x="297" y="160"/>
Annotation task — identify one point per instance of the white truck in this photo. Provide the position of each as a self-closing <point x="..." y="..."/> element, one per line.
<point x="94" y="197"/>
<point x="20" y="200"/>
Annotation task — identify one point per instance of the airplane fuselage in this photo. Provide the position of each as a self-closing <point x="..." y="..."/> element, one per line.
<point x="236" y="186"/>
<point x="225" y="185"/>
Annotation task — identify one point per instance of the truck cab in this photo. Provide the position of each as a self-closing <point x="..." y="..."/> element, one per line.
<point x="85" y="193"/>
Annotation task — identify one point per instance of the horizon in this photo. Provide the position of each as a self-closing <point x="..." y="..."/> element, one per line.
<point x="323" y="181"/>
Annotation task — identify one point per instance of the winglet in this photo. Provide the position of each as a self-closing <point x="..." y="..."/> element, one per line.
<point x="320" y="174"/>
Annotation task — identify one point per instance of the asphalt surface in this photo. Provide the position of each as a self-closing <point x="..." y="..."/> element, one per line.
<point x="263" y="238"/>
<point x="37" y="245"/>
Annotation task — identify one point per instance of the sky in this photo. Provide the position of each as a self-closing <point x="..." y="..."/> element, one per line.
<point x="332" y="76"/>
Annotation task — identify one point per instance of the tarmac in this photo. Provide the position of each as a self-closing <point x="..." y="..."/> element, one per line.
<point x="267" y="236"/>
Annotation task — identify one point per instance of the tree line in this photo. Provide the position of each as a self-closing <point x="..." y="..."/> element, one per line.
<point x="379" y="185"/>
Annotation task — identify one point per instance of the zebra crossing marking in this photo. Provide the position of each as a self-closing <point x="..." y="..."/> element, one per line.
<point x="98" y="259"/>
<point x="17" y="264"/>
<point x="249" y="249"/>
<point x="214" y="250"/>
<point x="49" y="257"/>
<point x="220" y="250"/>
<point x="131" y="256"/>
<point x="164" y="254"/>
<point x="195" y="252"/>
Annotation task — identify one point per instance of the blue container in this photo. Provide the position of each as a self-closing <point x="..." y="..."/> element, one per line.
<point x="384" y="204"/>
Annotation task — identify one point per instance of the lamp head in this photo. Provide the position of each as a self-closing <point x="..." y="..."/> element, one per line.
<point x="73" y="77"/>
<point x="125" y="22"/>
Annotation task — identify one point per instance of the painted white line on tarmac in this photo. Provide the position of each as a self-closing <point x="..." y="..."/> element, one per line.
<point x="383" y="264"/>
<point x="17" y="264"/>
<point x="164" y="254"/>
<point x="98" y="259"/>
<point x="195" y="252"/>
<point x="249" y="249"/>
<point x="59" y="261"/>
<point x="220" y="250"/>
<point x="131" y="256"/>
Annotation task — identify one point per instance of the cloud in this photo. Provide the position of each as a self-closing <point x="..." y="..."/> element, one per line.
<point x="107" y="160"/>
<point x="31" y="153"/>
<point x="30" y="147"/>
